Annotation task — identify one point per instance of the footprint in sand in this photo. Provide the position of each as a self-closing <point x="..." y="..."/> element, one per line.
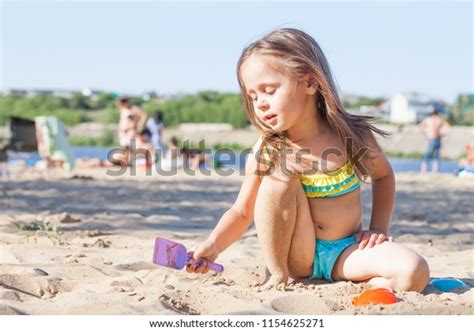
<point x="303" y="305"/>
<point x="35" y="286"/>
<point x="136" y="266"/>
<point x="9" y="295"/>
<point x="100" y="243"/>
<point x="9" y="310"/>
<point x="128" y="282"/>
<point x="74" y="258"/>
<point x="174" y="303"/>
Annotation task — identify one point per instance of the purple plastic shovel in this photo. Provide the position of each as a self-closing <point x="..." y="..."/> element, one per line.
<point x="174" y="255"/>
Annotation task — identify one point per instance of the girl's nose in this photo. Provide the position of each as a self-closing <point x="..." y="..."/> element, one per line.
<point x="262" y="105"/>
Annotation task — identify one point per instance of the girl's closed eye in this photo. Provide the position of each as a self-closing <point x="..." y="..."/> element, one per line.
<point x="268" y="91"/>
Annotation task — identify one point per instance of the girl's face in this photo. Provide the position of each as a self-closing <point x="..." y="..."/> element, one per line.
<point x="278" y="100"/>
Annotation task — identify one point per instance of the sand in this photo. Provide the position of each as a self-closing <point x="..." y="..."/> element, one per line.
<point x="99" y="261"/>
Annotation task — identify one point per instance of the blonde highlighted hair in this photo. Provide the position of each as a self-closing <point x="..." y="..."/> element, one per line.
<point x="299" y="55"/>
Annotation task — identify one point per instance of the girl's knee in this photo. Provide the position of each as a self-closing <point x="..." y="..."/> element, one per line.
<point x="414" y="275"/>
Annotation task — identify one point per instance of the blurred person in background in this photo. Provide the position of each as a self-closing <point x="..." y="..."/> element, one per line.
<point x="155" y="125"/>
<point x="432" y="127"/>
<point x="132" y="119"/>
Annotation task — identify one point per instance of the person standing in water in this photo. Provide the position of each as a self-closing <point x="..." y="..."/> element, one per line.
<point x="431" y="127"/>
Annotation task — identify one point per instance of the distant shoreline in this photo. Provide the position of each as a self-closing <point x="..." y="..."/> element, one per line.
<point x="405" y="141"/>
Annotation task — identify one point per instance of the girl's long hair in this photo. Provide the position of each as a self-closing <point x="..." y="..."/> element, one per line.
<point x="299" y="55"/>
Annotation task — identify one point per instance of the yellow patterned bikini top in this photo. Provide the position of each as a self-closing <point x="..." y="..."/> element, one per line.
<point x="328" y="185"/>
<point x="332" y="184"/>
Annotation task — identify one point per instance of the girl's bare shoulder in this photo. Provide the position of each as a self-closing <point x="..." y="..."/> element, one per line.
<point x="254" y="165"/>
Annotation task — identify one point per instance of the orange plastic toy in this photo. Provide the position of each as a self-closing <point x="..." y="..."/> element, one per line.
<point x="376" y="296"/>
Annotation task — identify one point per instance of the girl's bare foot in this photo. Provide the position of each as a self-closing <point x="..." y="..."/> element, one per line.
<point x="275" y="281"/>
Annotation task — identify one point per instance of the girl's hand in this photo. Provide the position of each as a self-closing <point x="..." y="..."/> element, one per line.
<point x="370" y="238"/>
<point x="207" y="251"/>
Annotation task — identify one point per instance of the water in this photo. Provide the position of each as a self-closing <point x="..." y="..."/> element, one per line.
<point x="410" y="165"/>
<point x="398" y="164"/>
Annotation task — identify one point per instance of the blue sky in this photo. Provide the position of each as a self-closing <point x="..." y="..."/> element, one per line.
<point x="374" y="49"/>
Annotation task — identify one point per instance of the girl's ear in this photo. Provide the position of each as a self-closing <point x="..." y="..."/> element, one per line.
<point x="311" y="84"/>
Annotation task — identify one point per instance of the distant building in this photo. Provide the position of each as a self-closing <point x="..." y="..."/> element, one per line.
<point x="62" y="93"/>
<point x="384" y="109"/>
<point x="413" y="107"/>
<point x="66" y="94"/>
<point x="92" y="93"/>
<point x="17" y="92"/>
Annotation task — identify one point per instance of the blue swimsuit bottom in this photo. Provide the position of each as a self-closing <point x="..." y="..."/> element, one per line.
<point x="326" y="254"/>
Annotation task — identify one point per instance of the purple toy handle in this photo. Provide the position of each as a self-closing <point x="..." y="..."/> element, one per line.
<point x="213" y="266"/>
<point x="174" y="255"/>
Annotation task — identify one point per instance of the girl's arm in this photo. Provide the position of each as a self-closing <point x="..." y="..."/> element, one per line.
<point x="234" y="222"/>
<point x="238" y="218"/>
<point x="383" y="201"/>
<point x="383" y="194"/>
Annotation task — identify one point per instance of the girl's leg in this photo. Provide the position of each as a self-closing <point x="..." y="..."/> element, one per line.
<point x="285" y="229"/>
<point x="389" y="265"/>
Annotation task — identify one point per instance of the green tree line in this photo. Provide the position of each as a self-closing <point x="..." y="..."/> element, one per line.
<point x="211" y="107"/>
<point x="462" y="112"/>
<point x="207" y="106"/>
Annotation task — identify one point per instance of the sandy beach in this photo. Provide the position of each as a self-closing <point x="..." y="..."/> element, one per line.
<point x="100" y="259"/>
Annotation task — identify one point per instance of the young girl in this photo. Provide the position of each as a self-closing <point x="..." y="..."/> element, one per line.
<point x="302" y="184"/>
